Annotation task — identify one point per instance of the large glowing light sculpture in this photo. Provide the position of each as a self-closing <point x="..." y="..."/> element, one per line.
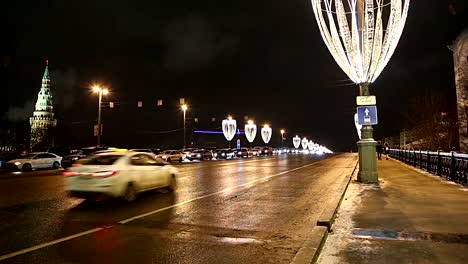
<point x="266" y="133"/>
<point x="362" y="45"/>
<point x="250" y="131"/>
<point x="229" y="126"/>
<point x="304" y="143"/>
<point x="296" y="142"/>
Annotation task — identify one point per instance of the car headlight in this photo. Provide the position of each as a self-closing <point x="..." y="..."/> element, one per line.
<point x="223" y="154"/>
<point x="164" y="157"/>
<point x="17" y="163"/>
<point x="75" y="158"/>
<point x="198" y="155"/>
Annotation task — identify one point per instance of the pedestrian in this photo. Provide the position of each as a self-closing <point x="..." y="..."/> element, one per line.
<point x="379" y="150"/>
<point x="386" y="150"/>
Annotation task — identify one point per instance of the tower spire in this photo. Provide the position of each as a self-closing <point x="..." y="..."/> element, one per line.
<point x="46" y="71"/>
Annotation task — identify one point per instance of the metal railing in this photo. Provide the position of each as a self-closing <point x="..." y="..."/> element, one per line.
<point x="451" y="165"/>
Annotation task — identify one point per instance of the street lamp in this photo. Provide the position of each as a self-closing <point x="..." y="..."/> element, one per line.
<point x="184" y="108"/>
<point x="282" y="138"/>
<point x="100" y="91"/>
<point x="360" y="43"/>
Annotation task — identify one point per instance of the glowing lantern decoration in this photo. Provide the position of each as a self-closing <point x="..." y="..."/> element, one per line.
<point x="356" y="36"/>
<point x="296" y="141"/>
<point x="304" y="143"/>
<point x="358" y="126"/>
<point x="266" y="133"/>
<point x="229" y="128"/>
<point x="250" y="131"/>
<point x="311" y="146"/>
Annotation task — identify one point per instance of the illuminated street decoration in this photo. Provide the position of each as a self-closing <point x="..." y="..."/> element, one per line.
<point x="356" y="36"/>
<point x="266" y="133"/>
<point x="250" y="131"/>
<point x="311" y="146"/>
<point x="229" y="128"/>
<point x="296" y="141"/>
<point x="358" y="126"/>
<point x="304" y="143"/>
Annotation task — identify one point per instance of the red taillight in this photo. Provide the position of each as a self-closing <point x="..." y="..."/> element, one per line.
<point x="70" y="173"/>
<point x="104" y="174"/>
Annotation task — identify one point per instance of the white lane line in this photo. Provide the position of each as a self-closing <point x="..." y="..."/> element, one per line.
<point x="26" y="250"/>
<point x="212" y="194"/>
<point x="229" y="163"/>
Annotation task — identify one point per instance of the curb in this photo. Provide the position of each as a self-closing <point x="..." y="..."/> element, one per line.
<point x="310" y="250"/>
<point x="327" y="217"/>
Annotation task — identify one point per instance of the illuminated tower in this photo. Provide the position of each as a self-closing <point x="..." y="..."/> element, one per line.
<point x="43" y="116"/>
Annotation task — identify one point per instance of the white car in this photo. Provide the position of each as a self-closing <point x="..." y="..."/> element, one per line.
<point x="36" y="160"/>
<point x="119" y="174"/>
<point x="172" y="155"/>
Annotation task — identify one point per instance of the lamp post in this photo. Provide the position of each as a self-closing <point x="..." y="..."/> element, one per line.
<point x="282" y="138"/>
<point x="362" y="45"/>
<point x="100" y="91"/>
<point x="184" y="108"/>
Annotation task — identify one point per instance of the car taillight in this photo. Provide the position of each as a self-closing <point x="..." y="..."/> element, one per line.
<point x="70" y="173"/>
<point x="104" y="174"/>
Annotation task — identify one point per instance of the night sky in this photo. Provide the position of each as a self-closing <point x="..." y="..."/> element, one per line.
<point x="262" y="59"/>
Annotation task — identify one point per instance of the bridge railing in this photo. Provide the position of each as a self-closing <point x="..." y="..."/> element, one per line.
<point x="451" y="165"/>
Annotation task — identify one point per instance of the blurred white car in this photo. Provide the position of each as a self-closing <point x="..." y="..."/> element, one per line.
<point x="172" y="155"/>
<point x="36" y="160"/>
<point x="119" y="174"/>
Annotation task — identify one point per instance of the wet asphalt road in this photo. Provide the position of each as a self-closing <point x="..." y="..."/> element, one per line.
<point x="236" y="211"/>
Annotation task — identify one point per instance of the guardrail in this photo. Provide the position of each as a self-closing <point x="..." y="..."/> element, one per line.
<point x="451" y="165"/>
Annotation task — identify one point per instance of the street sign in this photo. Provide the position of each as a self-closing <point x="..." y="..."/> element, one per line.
<point x="367" y="115"/>
<point x="238" y="144"/>
<point x="366" y="100"/>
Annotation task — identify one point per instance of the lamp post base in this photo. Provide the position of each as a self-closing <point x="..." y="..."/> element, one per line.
<point x="367" y="161"/>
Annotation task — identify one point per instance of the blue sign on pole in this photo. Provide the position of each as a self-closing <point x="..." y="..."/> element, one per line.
<point x="367" y="115"/>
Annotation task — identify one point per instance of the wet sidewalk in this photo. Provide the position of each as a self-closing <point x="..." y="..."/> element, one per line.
<point x="410" y="217"/>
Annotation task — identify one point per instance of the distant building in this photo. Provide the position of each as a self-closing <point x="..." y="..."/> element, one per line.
<point x="43" y="119"/>
<point x="460" y="58"/>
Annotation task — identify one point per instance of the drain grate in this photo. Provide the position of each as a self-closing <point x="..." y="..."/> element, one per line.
<point x="409" y="235"/>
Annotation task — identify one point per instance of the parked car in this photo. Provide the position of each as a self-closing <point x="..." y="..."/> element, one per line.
<point x="172" y="155"/>
<point x="201" y="154"/>
<point x="36" y="160"/>
<point x="119" y="174"/>
<point x="5" y="157"/>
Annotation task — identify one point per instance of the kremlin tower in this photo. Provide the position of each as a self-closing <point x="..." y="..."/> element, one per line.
<point x="43" y="116"/>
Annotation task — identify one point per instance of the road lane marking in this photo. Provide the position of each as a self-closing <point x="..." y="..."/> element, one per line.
<point x="224" y="164"/>
<point x="84" y="233"/>
<point x="26" y="250"/>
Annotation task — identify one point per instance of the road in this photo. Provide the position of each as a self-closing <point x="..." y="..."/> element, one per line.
<point x="236" y="211"/>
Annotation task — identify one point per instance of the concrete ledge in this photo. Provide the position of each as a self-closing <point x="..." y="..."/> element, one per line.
<point x="328" y="215"/>
<point x="310" y="250"/>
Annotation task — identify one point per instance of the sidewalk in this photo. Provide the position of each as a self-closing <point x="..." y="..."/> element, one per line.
<point x="410" y="217"/>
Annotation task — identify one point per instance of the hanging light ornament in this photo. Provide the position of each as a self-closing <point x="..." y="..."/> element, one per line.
<point x="366" y="45"/>
<point x="229" y="128"/>
<point x="250" y="131"/>
<point x="266" y="133"/>
<point x="296" y="141"/>
<point x="304" y="143"/>
<point x="310" y="146"/>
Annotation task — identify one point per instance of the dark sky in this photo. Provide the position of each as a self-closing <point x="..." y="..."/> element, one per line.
<point x="264" y="59"/>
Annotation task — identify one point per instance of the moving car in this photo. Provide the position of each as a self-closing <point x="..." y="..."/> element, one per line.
<point x="5" y="157"/>
<point x="244" y="153"/>
<point x="172" y="155"/>
<point x="201" y="154"/>
<point x="36" y="160"/>
<point x="119" y="174"/>
<point x="225" y="154"/>
<point x="68" y="160"/>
